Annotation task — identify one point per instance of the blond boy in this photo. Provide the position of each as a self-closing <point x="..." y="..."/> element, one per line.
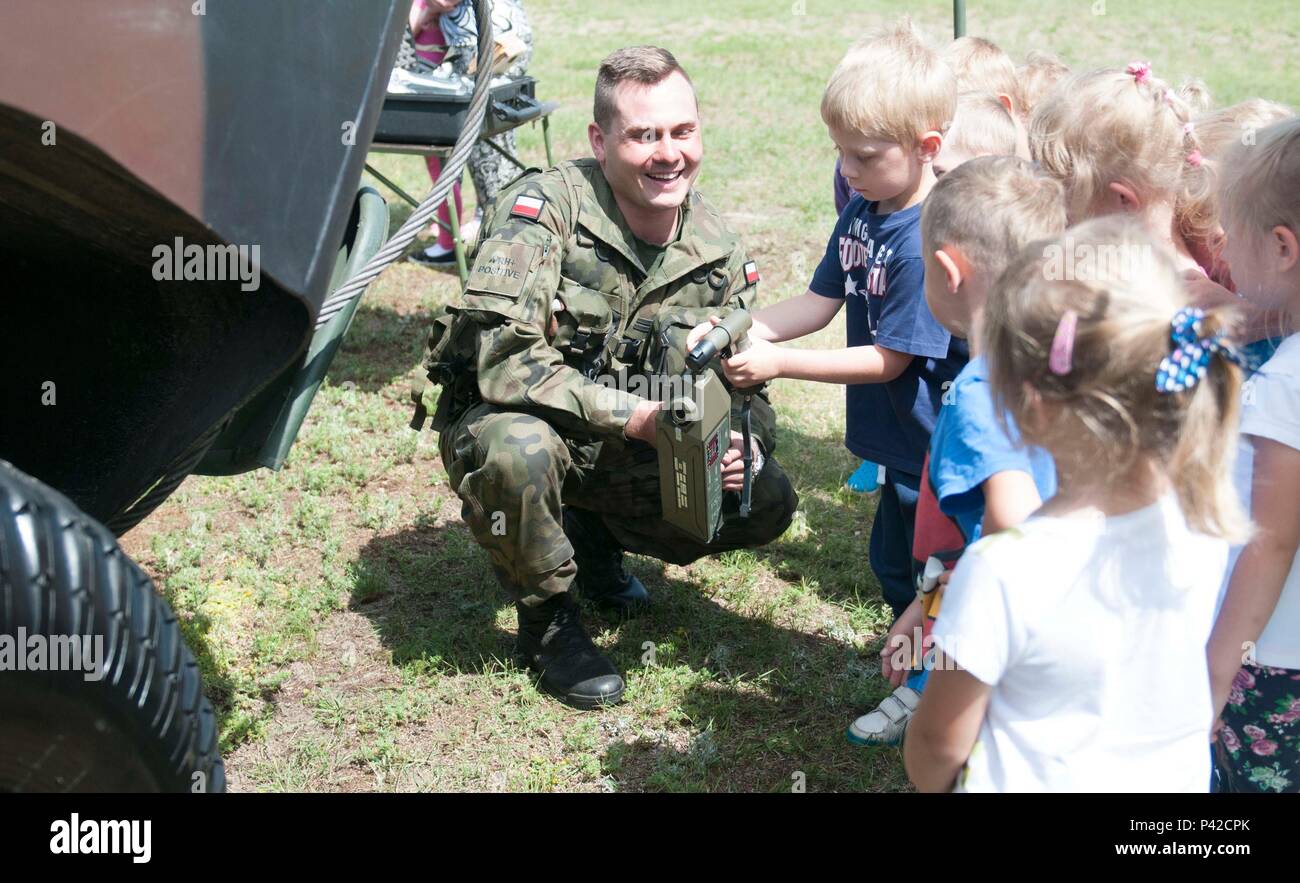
<point x="886" y="107"/>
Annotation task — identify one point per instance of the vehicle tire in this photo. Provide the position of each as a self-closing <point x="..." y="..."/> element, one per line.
<point x="144" y="724"/>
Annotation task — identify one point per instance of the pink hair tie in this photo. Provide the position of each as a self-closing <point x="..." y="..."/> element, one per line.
<point x="1139" y="70"/>
<point x="1194" y="159"/>
<point x="1061" y="360"/>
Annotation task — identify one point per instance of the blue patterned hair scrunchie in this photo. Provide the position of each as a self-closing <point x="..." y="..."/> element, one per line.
<point x="1186" y="365"/>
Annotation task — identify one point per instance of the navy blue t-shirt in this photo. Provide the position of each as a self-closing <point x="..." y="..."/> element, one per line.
<point x="874" y="262"/>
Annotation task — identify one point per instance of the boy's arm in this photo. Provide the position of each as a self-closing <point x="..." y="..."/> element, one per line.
<point x="905" y="330"/>
<point x="855" y="364"/>
<point x="1261" y="571"/>
<point x="787" y="320"/>
<point x="1010" y="497"/>
<point x="795" y="317"/>
<point x="802" y="315"/>
<point x="943" y="731"/>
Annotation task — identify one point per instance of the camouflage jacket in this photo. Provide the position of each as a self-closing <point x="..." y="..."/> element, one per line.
<point x="559" y="296"/>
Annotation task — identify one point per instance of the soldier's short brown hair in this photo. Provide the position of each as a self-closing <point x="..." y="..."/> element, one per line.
<point x="646" y="65"/>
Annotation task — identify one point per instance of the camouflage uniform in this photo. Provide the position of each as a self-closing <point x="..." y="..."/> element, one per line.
<point x="525" y="430"/>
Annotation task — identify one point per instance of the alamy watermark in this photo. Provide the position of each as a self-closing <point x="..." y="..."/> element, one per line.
<point x="676" y="391"/>
<point x="83" y="653"/>
<point x="1085" y="262"/>
<point x="78" y="836"/>
<point x="177" y="261"/>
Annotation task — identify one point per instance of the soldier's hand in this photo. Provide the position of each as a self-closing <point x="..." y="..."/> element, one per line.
<point x="698" y="332"/>
<point x="733" y="462"/>
<point x="758" y="364"/>
<point x="553" y="328"/>
<point x="641" y="425"/>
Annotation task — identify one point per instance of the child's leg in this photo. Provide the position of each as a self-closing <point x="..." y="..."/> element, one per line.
<point x="891" y="538"/>
<point x="434" y="164"/>
<point x="891" y="561"/>
<point x="1261" y="731"/>
<point x="435" y="56"/>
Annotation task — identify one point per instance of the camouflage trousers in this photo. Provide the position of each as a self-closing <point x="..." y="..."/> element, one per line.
<point x="514" y="473"/>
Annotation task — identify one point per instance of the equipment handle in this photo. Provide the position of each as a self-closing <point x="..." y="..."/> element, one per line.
<point x="747" y="489"/>
<point x="730" y="333"/>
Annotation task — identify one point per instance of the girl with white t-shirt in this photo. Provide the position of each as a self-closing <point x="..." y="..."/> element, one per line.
<point x="1073" y="646"/>
<point x="1255" y="649"/>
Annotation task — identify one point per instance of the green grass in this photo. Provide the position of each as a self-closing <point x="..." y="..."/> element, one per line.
<point x="350" y="632"/>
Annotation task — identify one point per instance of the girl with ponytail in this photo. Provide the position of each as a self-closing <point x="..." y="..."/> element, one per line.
<point x="1073" y="646"/>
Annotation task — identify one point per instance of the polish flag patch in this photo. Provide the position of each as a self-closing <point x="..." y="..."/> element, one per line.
<point x="529" y="207"/>
<point x="751" y="273"/>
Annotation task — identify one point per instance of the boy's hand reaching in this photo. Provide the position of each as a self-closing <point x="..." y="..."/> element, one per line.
<point x="758" y="364"/>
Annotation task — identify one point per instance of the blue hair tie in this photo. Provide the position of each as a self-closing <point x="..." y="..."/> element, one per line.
<point x="1183" y="368"/>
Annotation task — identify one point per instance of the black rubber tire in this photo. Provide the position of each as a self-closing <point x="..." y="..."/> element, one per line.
<point x="146" y="725"/>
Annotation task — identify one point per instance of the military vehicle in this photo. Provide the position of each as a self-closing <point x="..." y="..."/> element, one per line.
<point x="179" y="195"/>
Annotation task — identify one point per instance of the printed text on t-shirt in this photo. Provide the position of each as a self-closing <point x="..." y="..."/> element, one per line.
<point x="855" y="251"/>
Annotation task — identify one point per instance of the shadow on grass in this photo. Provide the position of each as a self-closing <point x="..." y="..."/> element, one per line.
<point x="830" y="550"/>
<point x="764" y="701"/>
<point x="381" y="346"/>
<point x="767" y="701"/>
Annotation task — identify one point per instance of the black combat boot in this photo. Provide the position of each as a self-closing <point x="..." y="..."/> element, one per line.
<point x="553" y="643"/>
<point x="602" y="578"/>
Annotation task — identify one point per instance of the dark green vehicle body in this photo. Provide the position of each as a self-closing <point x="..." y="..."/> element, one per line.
<point x="178" y="195"/>
<point x="125" y="127"/>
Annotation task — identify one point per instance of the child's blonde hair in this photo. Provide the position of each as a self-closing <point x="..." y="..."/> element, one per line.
<point x="891" y="85"/>
<point x="1038" y="75"/>
<point x="981" y="66"/>
<point x="1240" y="123"/>
<point x="1218" y="130"/>
<point x="1124" y="291"/>
<point x="1260" y="183"/>
<point x="990" y="208"/>
<point x="1113" y="125"/>
<point x="982" y="126"/>
<point x="1196" y="93"/>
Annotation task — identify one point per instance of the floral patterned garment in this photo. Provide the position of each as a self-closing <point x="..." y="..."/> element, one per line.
<point x="1260" y="748"/>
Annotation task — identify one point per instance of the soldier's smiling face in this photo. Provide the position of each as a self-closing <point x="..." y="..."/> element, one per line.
<point x="651" y="154"/>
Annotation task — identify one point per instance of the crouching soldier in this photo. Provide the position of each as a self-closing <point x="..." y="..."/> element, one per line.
<point x="591" y="272"/>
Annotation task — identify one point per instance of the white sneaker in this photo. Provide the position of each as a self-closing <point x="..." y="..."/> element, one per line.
<point x="885" y="725"/>
<point x="435" y="255"/>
